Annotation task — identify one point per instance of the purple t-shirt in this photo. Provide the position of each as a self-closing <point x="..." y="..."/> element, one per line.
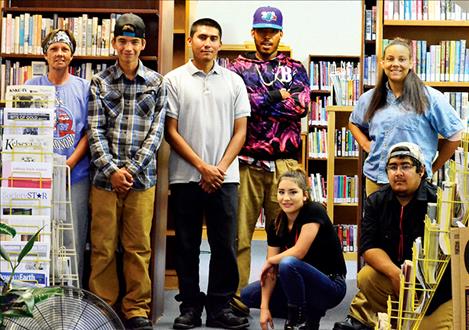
<point x="71" y="119"/>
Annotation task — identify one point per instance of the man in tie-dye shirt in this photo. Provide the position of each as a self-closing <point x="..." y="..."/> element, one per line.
<point x="278" y="89"/>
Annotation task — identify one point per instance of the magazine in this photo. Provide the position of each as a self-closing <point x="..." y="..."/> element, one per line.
<point x="22" y="201"/>
<point x="26" y="174"/>
<point x="32" y="121"/>
<point x="30" y="96"/>
<point x="27" y="226"/>
<point x="27" y="148"/>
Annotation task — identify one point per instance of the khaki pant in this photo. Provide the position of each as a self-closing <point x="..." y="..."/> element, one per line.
<point x="257" y="190"/>
<point x="127" y="217"/>
<point x="374" y="289"/>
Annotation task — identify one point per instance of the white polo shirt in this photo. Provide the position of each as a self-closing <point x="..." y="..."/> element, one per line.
<point x="206" y="107"/>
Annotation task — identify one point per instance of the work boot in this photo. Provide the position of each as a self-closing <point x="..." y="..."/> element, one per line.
<point x="191" y="313"/>
<point x="349" y="323"/>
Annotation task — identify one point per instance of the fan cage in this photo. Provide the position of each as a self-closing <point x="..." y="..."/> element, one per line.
<point x="75" y="309"/>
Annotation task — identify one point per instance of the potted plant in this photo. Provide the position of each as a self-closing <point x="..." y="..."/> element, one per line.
<point x="16" y="298"/>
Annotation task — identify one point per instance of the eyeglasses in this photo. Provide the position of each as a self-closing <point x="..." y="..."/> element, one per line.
<point x="402" y="167"/>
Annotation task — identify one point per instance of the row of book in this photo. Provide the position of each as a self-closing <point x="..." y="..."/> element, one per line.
<point x="433" y="10"/>
<point x="317" y="143"/>
<point x="345" y="189"/>
<point x="341" y="79"/>
<point x="447" y="61"/>
<point x="345" y="144"/>
<point x="26" y="182"/>
<point x="317" y="116"/>
<point x="348" y="236"/>
<point x="320" y="73"/>
<point x="13" y="73"/>
<point x="22" y="34"/>
<point x="460" y="102"/>
<point x="318" y="192"/>
<point x="370" y="23"/>
<point x="369" y="70"/>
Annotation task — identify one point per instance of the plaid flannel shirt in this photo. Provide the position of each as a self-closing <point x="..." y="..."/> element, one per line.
<point x="126" y="123"/>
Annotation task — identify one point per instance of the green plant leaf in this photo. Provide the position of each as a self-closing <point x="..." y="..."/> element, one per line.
<point x="7" y="230"/>
<point x="17" y="312"/>
<point x="4" y="254"/>
<point x="27" y="299"/>
<point x="28" y="246"/>
<point x="41" y="294"/>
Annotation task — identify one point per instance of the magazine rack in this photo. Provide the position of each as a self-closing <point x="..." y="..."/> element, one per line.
<point x="422" y="276"/>
<point x="52" y="213"/>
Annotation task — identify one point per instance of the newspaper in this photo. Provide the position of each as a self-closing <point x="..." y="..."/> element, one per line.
<point x="30" y="121"/>
<point x="30" y="96"/>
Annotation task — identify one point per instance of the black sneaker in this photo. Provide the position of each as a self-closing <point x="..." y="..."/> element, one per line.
<point x="349" y="323"/>
<point x="139" y="323"/>
<point x="187" y="320"/>
<point x="227" y="320"/>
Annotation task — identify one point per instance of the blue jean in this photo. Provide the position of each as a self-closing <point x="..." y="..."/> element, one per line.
<point x="189" y="204"/>
<point x="80" y="215"/>
<point x="299" y="284"/>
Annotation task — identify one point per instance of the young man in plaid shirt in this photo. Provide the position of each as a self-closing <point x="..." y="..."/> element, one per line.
<point x="126" y="121"/>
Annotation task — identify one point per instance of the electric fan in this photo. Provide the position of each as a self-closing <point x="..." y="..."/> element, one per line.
<point x="74" y="309"/>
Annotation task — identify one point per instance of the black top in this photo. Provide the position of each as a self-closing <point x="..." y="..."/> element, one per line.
<point x="325" y="253"/>
<point x="380" y="228"/>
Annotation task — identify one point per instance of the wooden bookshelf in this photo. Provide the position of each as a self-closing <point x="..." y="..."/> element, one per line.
<point x="341" y="213"/>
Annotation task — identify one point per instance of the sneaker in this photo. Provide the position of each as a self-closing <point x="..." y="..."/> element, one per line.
<point x="139" y="323"/>
<point x="349" y="323"/>
<point x="238" y="307"/>
<point x="187" y="320"/>
<point x="227" y="320"/>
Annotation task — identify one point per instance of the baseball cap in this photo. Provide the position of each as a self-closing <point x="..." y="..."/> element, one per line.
<point x="403" y="149"/>
<point x="129" y="25"/>
<point x="267" y="18"/>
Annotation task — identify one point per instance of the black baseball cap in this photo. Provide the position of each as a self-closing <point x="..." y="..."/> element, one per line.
<point x="129" y="25"/>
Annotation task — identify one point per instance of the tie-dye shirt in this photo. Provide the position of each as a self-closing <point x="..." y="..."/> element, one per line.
<point x="274" y="128"/>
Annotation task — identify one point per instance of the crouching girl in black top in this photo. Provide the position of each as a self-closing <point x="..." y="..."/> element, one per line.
<point x="304" y="274"/>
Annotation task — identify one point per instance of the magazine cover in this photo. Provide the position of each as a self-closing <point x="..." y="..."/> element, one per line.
<point x="27" y="148"/>
<point x="27" y="226"/>
<point x="30" y="96"/>
<point x="22" y="201"/>
<point x="26" y="174"/>
<point x="29" y="121"/>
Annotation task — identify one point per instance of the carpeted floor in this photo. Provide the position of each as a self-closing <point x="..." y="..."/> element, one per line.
<point x="171" y="309"/>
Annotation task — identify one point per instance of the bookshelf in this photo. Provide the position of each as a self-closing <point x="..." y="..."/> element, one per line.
<point x="369" y="63"/>
<point x="181" y="25"/>
<point x="24" y="23"/>
<point x="180" y="55"/>
<point x="325" y="164"/>
<point x="341" y="207"/>
<point x="440" y="33"/>
<point x="158" y="33"/>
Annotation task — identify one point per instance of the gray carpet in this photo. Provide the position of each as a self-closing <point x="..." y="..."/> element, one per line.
<point x="171" y="309"/>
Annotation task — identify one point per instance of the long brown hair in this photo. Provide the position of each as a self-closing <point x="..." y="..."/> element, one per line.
<point x="298" y="176"/>
<point x="414" y="97"/>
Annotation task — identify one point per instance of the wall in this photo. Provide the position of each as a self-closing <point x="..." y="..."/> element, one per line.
<point x="319" y="27"/>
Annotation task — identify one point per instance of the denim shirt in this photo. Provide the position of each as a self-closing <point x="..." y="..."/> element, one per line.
<point x="394" y="123"/>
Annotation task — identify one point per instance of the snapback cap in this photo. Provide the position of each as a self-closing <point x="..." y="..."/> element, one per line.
<point x="129" y="25"/>
<point x="267" y="18"/>
<point x="404" y="149"/>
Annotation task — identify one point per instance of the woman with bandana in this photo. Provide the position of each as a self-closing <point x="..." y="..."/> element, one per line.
<point x="70" y="128"/>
